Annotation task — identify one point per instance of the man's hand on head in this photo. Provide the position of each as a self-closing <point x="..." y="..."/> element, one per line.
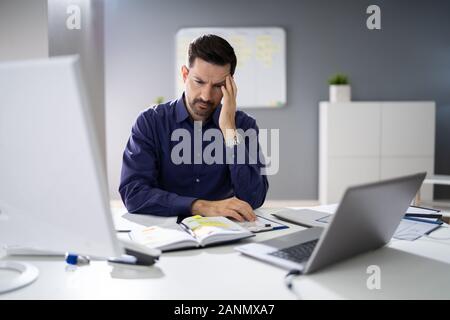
<point x="227" y="114"/>
<point x="232" y="208"/>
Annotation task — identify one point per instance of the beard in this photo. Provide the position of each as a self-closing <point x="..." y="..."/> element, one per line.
<point x="202" y="108"/>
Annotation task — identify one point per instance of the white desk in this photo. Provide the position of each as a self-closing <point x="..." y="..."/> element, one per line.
<point x="419" y="269"/>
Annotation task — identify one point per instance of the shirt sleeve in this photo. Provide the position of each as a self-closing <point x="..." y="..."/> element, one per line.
<point x="139" y="187"/>
<point x="246" y="163"/>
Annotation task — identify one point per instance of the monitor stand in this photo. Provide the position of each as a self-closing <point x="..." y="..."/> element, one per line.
<point x="28" y="274"/>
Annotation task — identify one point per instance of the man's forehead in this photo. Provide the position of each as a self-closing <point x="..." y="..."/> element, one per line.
<point x="209" y="72"/>
<point x="206" y="78"/>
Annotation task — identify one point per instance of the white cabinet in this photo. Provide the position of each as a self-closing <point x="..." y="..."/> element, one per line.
<point x="363" y="142"/>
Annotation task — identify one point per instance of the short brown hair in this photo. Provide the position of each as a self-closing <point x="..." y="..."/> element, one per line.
<point x="212" y="49"/>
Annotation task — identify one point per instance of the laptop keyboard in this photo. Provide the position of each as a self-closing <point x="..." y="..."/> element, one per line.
<point x="298" y="253"/>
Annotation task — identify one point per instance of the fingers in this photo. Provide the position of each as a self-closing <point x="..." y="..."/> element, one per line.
<point x="244" y="209"/>
<point x="233" y="214"/>
<point x="222" y="210"/>
<point x="234" y="87"/>
<point x="225" y="93"/>
<point x="248" y="209"/>
<point x="232" y="207"/>
<point x="230" y="88"/>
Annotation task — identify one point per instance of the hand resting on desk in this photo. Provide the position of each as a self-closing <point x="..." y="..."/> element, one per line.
<point x="231" y="208"/>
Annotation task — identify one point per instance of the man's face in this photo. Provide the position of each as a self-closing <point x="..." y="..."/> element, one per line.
<point x="202" y="87"/>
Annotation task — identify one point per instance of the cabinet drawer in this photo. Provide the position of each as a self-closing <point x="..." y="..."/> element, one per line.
<point x="407" y="129"/>
<point x="344" y="172"/>
<point x="354" y="129"/>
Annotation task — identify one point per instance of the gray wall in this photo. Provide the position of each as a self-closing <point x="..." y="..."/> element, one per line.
<point x="23" y="29"/>
<point x="409" y="59"/>
<point x="88" y="42"/>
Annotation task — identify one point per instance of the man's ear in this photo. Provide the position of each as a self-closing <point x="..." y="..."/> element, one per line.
<point x="184" y="72"/>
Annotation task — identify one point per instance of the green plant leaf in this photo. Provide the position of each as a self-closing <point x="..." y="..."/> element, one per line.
<point x="159" y="100"/>
<point x="338" y="79"/>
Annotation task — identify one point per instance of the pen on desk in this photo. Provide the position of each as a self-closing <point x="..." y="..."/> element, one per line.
<point x="76" y="260"/>
<point x="424" y="215"/>
<point x="424" y="220"/>
<point x="430" y="209"/>
<point x="187" y="229"/>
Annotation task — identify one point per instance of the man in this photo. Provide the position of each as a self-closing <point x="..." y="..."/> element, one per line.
<point x="152" y="182"/>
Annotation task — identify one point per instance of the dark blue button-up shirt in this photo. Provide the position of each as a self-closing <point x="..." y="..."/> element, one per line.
<point x="152" y="183"/>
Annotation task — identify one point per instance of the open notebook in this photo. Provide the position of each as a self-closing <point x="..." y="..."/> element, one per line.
<point x="195" y="231"/>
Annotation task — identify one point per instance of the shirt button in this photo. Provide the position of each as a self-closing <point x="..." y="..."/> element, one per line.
<point x="197" y="180"/>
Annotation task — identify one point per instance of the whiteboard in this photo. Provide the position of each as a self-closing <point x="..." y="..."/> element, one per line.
<point x="261" y="63"/>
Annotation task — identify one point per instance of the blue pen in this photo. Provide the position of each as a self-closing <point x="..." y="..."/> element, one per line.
<point x="71" y="259"/>
<point x="280" y="226"/>
<point x="423" y="220"/>
<point x="76" y="260"/>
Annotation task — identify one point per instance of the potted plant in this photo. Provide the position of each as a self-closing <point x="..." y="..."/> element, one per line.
<point x="159" y="100"/>
<point x="340" y="90"/>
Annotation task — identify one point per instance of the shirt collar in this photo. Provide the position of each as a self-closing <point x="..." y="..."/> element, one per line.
<point x="182" y="113"/>
<point x="180" y="110"/>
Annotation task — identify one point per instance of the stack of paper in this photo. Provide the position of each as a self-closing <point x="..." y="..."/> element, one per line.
<point x="410" y="229"/>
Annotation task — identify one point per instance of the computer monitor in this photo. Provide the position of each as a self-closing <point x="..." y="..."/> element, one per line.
<point x="53" y="188"/>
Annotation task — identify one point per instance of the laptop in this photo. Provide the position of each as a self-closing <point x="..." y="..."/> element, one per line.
<point x="365" y="220"/>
